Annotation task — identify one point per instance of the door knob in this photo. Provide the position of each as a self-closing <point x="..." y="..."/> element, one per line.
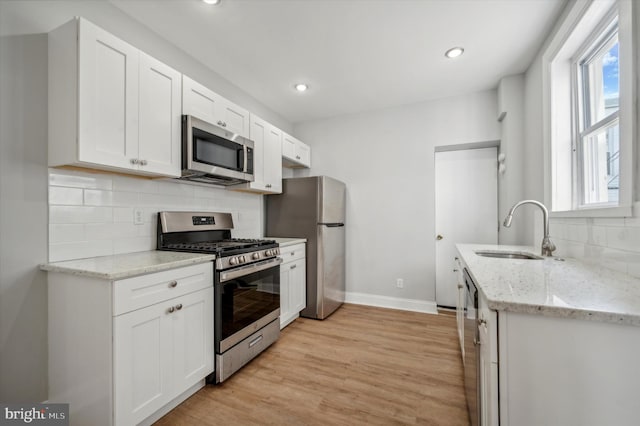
<point x="439" y="237"/>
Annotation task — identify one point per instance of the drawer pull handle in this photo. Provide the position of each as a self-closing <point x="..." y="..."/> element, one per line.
<point x="173" y="284"/>
<point x="178" y="306"/>
<point x="255" y="341"/>
<point x="171" y="309"/>
<point x="293" y="267"/>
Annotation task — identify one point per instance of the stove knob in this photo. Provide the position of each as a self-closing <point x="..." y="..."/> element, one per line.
<point x="267" y="253"/>
<point x="241" y="259"/>
<point x="277" y="251"/>
<point x="233" y="261"/>
<point x="256" y="256"/>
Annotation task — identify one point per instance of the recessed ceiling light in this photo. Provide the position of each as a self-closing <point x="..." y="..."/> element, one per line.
<point x="301" y="87"/>
<point x="454" y="52"/>
<point x="214" y="2"/>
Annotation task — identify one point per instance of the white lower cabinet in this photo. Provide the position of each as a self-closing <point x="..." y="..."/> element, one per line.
<point x="122" y="352"/>
<point x="293" y="283"/>
<point x="488" y="363"/>
<point x="159" y="351"/>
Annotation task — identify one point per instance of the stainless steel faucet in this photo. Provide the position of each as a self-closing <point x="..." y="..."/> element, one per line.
<point x="547" y="246"/>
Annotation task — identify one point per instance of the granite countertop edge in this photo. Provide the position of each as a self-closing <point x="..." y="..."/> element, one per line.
<point x="118" y="267"/>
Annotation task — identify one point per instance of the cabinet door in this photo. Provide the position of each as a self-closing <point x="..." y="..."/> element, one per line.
<point x="107" y="98"/>
<point x="192" y="325"/>
<point x="160" y="118"/>
<point x="204" y="103"/>
<point x="235" y="118"/>
<point x="258" y="134"/>
<point x="303" y="154"/>
<point x="199" y="101"/>
<point x="142" y="361"/>
<point x="288" y="146"/>
<point x="273" y="160"/>
<point x="285" y="297"/>
<point x="295" y="153"/>
<point x="298" y="286"/>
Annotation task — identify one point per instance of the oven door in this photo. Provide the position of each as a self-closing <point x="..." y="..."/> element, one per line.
<point x="247" y="299"/>
<point x="215" y="151"/>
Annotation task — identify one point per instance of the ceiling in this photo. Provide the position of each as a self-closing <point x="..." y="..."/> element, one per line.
<point x="356" y="55"/>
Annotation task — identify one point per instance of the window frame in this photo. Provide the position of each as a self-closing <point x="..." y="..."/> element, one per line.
<point x="581" y="26"/>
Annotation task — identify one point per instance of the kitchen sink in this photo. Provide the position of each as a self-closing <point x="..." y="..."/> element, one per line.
<point x="508" y="255"/>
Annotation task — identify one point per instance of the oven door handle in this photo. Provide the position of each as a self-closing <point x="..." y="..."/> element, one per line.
<point x="246" y="270"/>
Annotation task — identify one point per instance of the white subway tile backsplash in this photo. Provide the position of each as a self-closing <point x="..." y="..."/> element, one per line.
<point x="94" y="197"/>
<point x="627" y="238"/>
<point x="122" y="214"/>
<point x="60" y="195"/>
<point x="135" y="184"/>
<point x="80" y="214"/>
<point x="131" y="245"/>
<point x="79" y="250"/>
<point x="92" y="214"/>
<point x="59" y="233"/>
<point x="78" y="179"/>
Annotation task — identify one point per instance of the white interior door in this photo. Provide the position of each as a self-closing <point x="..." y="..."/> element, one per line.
<point x="466" y="210"/>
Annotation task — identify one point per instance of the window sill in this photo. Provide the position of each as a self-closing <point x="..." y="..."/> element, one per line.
<point x="619" y="211"/>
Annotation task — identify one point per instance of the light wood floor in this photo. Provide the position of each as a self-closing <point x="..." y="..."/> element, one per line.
<point x="361" y="366"/>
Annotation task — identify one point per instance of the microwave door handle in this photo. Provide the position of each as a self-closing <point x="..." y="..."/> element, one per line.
<point x="245" y="155"/>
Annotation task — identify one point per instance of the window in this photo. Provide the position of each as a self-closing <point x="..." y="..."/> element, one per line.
<point x="588" y="113"/>
<point x="597" y="137"/>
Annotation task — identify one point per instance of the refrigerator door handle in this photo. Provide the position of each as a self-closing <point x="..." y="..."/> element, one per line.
<point x="332" y="225"/>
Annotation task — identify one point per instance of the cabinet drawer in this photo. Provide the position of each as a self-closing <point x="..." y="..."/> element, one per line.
<point x="137" y="292"/>
<point x="292" y="253"/>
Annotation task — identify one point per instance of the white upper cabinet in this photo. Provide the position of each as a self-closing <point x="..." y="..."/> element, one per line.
<point x="205" y="104"/>
<point x="295" y="153"/>
<point x="110" y="105"/>
<point x="267" y="154"/>
<point x="160" y="116"/>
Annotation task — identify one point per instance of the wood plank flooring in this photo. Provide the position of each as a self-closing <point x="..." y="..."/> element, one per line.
<point x="361" y="366"/>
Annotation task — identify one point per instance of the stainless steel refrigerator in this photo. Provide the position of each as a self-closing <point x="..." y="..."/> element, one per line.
<point x="314" y="208"/>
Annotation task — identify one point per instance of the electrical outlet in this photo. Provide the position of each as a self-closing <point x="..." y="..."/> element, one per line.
<point x="400" y="283"/>
<point x="138" y="217"/>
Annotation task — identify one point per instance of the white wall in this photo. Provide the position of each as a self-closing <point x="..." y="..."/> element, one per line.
<point x="511" y="182"/>
<point x="386" y="158"/>
<point x="23" y="218"/>
<point x="611" y="242"/>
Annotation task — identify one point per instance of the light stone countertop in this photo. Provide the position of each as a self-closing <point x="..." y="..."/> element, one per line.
<point x="121" y="266"/>
<point x="560" y="288"/>
<point x="284" y="242"/>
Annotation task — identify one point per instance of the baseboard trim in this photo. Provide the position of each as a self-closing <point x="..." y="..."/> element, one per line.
<point x="413" y="305"/>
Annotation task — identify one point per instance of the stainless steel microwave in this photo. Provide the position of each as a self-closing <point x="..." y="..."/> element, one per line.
<point x="212" y="154"/>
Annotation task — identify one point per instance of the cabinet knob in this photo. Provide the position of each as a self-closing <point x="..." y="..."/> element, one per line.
<point x="178" y="306"/>
<point x="143" y="162"/>
<point x="134" y="161"/>
<point x="439" y="237"/>
<point x="171" y="309"/>
<point x="293" y="267"/>
<point x="220" y="123"/>
<point x="297" y="157"/>
<point x="455" y="270"/>
<point x="173" y="284"/>
<point x="460" y="286"/>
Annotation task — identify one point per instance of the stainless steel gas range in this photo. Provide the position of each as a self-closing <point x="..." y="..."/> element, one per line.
<point x="246" y="284"/>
